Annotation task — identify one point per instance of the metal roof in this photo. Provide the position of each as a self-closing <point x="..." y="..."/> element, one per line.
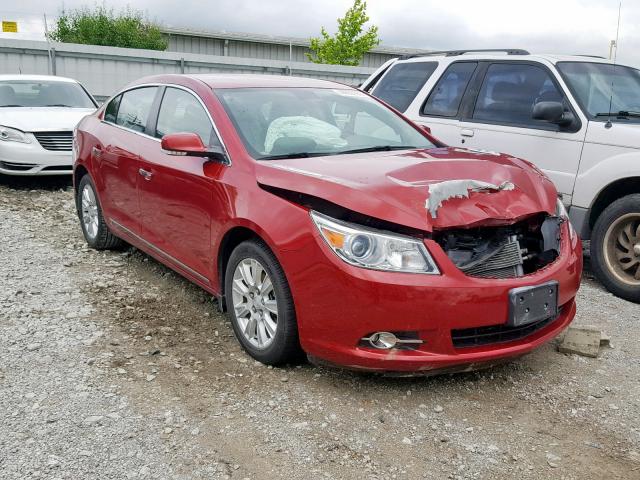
<point x="279" y="40"/>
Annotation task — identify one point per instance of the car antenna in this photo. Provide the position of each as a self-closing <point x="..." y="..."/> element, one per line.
<point x="615" y="58"/>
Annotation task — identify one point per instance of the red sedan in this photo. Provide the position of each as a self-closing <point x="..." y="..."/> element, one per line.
<point x="326" y="223"/>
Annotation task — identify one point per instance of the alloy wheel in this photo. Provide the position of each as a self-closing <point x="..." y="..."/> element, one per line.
<point x="89" y="206"/>
<point x="254" y="303"/>
<point x="622" y="248"/>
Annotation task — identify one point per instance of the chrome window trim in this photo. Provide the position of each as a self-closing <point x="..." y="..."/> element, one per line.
<point x="172" y="85"/>
<point x="186" y="268"/>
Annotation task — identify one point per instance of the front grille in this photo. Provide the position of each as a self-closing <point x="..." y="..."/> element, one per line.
<point x="475" y="337"/>
<point x="58" y="168"/>
<point x="18" y="167"/>
<point x="56" y="141"/>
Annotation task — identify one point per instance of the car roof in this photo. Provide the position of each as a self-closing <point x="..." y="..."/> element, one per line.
<point x="37" y="78"/>
<point x="223" y="80"/>
<point x="551" y="58"/>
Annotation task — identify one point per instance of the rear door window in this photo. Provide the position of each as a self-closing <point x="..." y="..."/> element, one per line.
<point x="509" y="92"/>
<point x="179" y="112"/>
<point x="135" y="108"/>
<point x="445" y="98"/>
<point x="402" y="83"/>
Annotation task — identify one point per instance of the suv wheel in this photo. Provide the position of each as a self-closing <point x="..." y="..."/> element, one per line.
<point x="94" y="228"/>
<point x="615" y="248"/>
<point x="260" y="305"/>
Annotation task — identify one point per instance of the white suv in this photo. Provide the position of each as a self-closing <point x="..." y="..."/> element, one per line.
<point x="575" y="117"/>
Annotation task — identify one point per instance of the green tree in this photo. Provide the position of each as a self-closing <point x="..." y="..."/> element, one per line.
<point x="101" y="26"/>
<point x="349" y="44"/>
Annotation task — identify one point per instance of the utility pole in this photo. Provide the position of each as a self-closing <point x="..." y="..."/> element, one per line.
<point x="613" y="44"/>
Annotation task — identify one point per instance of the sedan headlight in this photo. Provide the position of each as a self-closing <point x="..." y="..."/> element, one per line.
<point x="13" y="135"/>
<point x="368" y="248"/>
<point x="561" y="212"/>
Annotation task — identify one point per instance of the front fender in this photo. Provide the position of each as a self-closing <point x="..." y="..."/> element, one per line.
<point x="602" y="173"/>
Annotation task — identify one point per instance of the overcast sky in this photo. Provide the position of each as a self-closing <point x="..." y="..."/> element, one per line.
<point x="541" y="26"/>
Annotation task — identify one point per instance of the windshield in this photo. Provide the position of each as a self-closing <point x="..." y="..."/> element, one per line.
<point x="303" y="122"/>
<point x="34" y="93"/>
<point x="600" y="85"/>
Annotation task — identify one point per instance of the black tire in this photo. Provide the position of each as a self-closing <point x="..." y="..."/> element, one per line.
<point x="285" y="346"/>
<point x="103" y="239"/>
<point x="629" y="205"/>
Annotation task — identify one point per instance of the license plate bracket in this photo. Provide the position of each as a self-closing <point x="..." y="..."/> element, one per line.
<point x="532" y="304"/>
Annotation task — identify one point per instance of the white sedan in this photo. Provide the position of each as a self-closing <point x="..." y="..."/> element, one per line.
<point x="37" y="117"/>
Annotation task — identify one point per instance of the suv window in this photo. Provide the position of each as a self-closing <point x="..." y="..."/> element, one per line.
<point x="182" y="112"/>
<point x="509" y="92"/>
<point x="445" y="98"/>
<point x="111" y="111"/>
<point x="134" y="109"/>
<point x="402" y="83"/>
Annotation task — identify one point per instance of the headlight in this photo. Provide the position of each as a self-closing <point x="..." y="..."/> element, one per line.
<point x="561" y="212"/>
<point x="13" y="135"/>
<point x="368" y="248"/>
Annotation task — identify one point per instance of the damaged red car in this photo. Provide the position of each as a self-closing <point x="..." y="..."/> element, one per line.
<point x="328" y="224"/>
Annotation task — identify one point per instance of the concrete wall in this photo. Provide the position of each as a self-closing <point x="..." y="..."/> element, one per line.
<point x="104" y="70"/>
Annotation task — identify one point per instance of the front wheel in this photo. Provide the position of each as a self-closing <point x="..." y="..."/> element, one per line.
<point x="615" y="248"/>
<point x="260" y="305"/>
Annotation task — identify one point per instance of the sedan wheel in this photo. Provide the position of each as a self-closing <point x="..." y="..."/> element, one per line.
<point x="89" y="210"/>
<point x="260" y="305"/>
<point x="255" y="303"/>
<point x="94" y="228"/>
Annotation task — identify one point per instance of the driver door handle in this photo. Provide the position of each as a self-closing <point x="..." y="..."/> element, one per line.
<point x="145" y="174"/>
<point x="466" y="132"/>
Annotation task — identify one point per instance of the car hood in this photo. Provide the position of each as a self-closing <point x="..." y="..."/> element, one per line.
<point x="396" y="186"/>
<point x="40" y="119"/>
<point x="620" y="134"/>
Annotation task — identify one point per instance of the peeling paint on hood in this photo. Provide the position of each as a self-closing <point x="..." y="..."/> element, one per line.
<point x="442" y="191"/>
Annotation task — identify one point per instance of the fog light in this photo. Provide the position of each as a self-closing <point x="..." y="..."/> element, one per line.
<point x="383" y="340"/>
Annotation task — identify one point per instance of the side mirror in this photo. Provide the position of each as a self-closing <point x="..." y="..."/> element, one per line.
<point x="552" y="112"/>
<point x="190" y="145"/>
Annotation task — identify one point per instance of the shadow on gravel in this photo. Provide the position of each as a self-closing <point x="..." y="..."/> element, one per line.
<point x="36" y="183"/>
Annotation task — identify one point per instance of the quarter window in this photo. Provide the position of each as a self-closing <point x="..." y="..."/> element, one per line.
<point x="111" y="111"/>
<point x="134" y="109"/>
<point x="402" y="83"/>
<point x="509" y="92"/>
<point x="445" y="98"/>
<point x="182" y="112"/>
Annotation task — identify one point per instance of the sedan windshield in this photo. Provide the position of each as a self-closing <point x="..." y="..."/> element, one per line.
<point x="34" y="93"/>
<point x="604" y="88"/>
<point x="305" y="122"/>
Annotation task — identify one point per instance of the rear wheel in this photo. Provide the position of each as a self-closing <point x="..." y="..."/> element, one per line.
<point x="95" y="230"/>
<point x="260" y="305"/>
<point x="615" y="248"/>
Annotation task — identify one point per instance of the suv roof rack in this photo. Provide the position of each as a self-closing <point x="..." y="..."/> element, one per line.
<point x="455" y="53"/>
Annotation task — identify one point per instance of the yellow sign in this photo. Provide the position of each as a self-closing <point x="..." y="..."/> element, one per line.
<point x="11" y="27"/>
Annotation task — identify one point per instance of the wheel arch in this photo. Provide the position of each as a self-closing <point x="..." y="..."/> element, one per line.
<point x="609" y="194"/>
<point x="230" y="240"/>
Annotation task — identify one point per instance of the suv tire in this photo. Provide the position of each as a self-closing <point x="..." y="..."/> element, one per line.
<point x="615" y="248"/>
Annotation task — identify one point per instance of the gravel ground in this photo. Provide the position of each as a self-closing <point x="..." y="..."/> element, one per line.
<point x="114" y="367"/>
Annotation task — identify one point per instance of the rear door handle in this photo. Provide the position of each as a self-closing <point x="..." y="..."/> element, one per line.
<point x="145" y="173"/>
<point x="466" y="132"/>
